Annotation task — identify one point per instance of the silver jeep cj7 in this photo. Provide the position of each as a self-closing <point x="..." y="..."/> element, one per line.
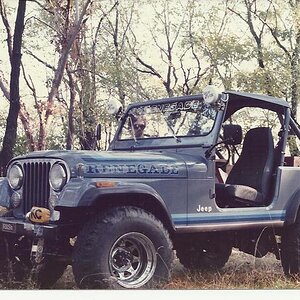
<point x="180" y="174"/>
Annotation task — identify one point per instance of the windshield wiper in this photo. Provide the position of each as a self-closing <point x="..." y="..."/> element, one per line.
<point x="178" y="140"/>
<point x="132" y="130"/>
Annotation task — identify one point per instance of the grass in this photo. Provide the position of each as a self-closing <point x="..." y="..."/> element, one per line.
<point x="241" y="272"/>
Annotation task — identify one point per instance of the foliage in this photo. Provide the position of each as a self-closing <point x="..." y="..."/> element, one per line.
<point x="143" y="50"/>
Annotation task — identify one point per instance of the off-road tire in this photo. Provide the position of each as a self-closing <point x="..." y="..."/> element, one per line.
<point x="197" y="256"/>
<point x="124" y="247"/>
<point x="290" y="248"/>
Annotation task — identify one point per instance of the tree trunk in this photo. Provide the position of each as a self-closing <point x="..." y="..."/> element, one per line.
<point x="71" y="126"/>
<point x="10" y="136"/>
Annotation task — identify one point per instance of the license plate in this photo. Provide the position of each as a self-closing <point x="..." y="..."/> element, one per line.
<point x="8" y="227"/>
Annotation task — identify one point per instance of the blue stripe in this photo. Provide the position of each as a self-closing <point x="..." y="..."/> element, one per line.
<point x="201" y="218"/>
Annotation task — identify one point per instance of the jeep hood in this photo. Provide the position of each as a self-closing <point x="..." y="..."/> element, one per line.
<point x="116" y="163"/>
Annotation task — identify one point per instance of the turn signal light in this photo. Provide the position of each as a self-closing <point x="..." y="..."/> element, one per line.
<point x="105" y="184"/>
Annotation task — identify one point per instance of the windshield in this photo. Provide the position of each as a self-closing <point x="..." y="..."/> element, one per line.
<point x="173" y="119"/>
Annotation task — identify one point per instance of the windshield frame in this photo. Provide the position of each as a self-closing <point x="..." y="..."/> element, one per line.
<point x="169" y="141"/>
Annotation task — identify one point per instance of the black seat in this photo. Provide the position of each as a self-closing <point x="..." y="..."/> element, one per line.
<point x="249" y="182"/>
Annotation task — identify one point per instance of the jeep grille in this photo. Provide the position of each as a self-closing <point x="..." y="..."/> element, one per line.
<point x="36" y="188"/>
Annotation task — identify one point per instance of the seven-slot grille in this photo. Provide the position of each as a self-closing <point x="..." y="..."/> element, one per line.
<point x="36" y="188"/>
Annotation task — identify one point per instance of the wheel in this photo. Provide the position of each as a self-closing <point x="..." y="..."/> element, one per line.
<point x="290" y="248"/>
<point x="125" y="247"/>
<point x="221" y="156"/>
<point x="204" y="256"/>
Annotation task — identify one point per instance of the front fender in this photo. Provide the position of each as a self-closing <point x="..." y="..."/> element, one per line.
<point x="84" y="193"/>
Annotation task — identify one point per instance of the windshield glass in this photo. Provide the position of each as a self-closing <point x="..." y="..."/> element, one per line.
<point x="173" y="119"/>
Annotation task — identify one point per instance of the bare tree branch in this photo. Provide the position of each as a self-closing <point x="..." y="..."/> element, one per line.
<point x="27" y="51"/>
<point x="31" y="86"/>
<point x="105" y="14"/>
<point x="42" y="22"/>
<point x="9" y="34"/>
<point x="42" y="6"/>
<point x="274" y="34"/>
<point x="127" y="28"/>
<point x="257" y="36"/>
<point x="23" y="115"/>
<point x="4" y="88"/>
<point x="150" y="69"/>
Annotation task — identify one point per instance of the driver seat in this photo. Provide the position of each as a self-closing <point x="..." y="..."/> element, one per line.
<point x="249" y="182"/>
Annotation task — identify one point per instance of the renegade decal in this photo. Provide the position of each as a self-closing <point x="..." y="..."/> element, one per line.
<point x="139" y="169"/>
<point x="168" y="107"/>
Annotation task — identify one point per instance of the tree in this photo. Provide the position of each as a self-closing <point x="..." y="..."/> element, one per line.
<point x="179" y="76"/>
<point x="133" y="51"/>
<point x="279" y="59"/>
<point x="81" y="72"/>
<point x="222" y="49"/>
<point x="14" y="46"/>
<point x="265" y="21"/>
<point x="68" y="37"/>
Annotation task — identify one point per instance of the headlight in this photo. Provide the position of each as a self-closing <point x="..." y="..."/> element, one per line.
<point x="57" y="177"/>
<point x="15" y="177"/>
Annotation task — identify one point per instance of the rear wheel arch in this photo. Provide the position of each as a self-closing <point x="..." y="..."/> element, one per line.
<point x="292" y="208"/>
<point x="290" y="248"/>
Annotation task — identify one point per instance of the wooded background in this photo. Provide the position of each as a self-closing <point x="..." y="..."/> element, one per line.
<point x="62" y="60"/>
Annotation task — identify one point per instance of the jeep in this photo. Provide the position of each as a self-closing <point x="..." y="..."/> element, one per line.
<point x="194" y="176"/>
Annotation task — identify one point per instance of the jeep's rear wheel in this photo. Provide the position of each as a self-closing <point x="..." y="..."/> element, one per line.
<point x="125" y="247"/>
<point x="290" y="248"/>
<point x="204" y="257"/>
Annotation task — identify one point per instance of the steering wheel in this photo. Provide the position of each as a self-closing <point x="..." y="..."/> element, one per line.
<point x="223" y="162"/>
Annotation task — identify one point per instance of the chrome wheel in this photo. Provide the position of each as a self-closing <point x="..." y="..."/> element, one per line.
<point x="132" y="260"/>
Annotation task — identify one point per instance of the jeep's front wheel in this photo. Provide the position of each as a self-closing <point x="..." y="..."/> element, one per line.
<point x="125" y="247"/>
<point x="290" y="248"/>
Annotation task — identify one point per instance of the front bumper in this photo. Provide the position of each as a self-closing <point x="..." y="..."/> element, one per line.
<point x="11" y="225"/>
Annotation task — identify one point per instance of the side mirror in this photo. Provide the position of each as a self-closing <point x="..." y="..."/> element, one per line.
<point x="232" y="134"/>
<point x="114" y="107"/>
<point x="98" y="132"/>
